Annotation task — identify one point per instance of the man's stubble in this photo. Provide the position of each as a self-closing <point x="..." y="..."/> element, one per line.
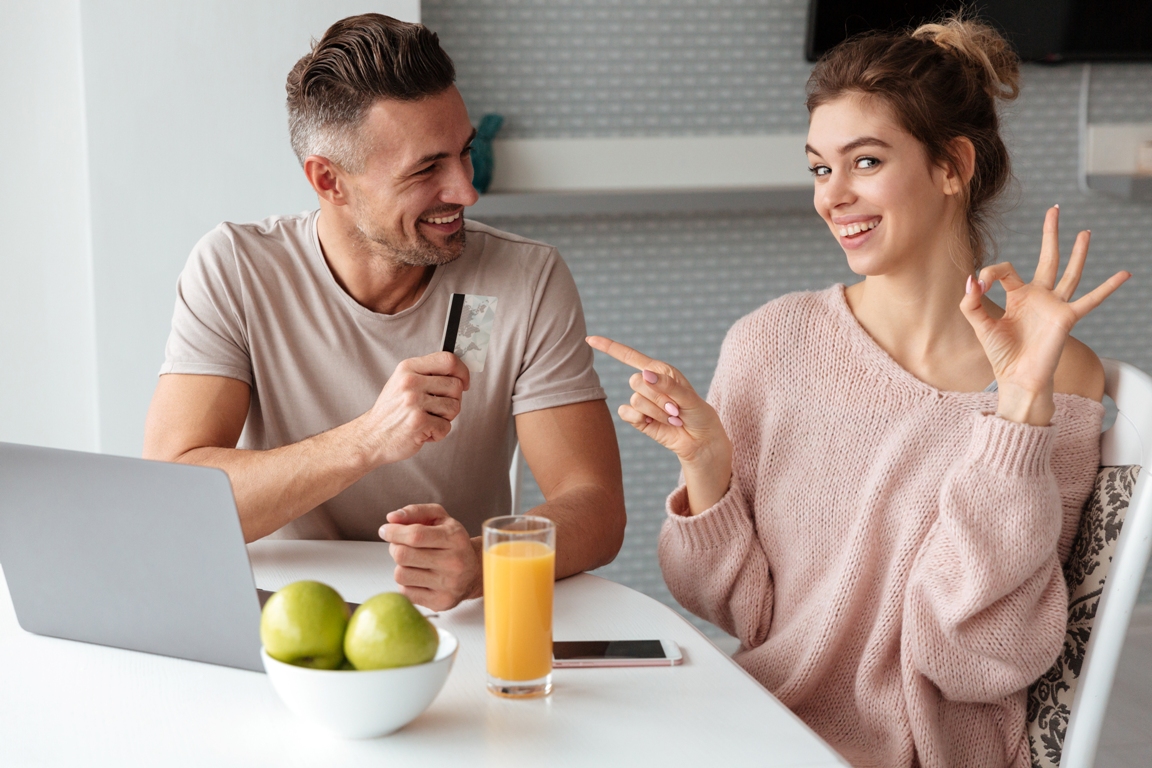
<point x="424" y="253"/>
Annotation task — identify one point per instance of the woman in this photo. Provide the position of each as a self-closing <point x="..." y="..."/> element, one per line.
<point x="880" y="490"/>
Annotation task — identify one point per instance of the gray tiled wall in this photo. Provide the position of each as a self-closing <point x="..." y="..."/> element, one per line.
<point x="671" y="285"/>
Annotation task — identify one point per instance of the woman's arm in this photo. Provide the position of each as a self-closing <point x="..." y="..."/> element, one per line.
<point x="711" y="559"/>
<point x="986" y="604"/>
<point x="715" y="567"/>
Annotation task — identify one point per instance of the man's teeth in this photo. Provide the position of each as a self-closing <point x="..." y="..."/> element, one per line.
<point x="853" y="229"/>
<point x="444" y="220"/>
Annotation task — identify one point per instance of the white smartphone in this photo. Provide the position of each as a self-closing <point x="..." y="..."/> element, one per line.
<point x="615" y="653"/>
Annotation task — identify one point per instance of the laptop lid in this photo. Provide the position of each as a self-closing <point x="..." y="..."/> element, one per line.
<point x="128" y="553"/>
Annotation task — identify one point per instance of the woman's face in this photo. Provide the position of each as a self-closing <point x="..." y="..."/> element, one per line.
<point x="890" y="209"/>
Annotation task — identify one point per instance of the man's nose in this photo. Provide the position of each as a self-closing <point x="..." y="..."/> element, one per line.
<point x="458" y="189"/>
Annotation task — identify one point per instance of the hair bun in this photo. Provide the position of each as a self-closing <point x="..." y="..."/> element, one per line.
<point x="980" y="46"/>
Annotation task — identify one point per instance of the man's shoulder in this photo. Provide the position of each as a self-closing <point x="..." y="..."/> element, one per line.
<point x="257" y="241"/>
<point x="492" y="240"/>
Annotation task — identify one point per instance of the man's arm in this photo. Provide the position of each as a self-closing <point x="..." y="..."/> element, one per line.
<point x="195" y="419"/>
<point x="573" y="455"/>
<point x="572" y="452"/>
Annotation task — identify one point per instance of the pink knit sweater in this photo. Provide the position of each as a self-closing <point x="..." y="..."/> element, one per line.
<point x="888" y="554"/>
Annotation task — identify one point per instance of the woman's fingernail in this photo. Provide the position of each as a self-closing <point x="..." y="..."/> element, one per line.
<point x="671" y="409"/>
<point x="647" y="419"/>
<point x="650" y="377"/>
<point x="968" y="285"/>
<point x="983" y="286"/>
<point x="675" y="421"/>
<point x="1057" y="206"/>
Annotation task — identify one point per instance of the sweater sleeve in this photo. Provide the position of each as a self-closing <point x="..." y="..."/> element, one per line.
<point x="713" y="563"/>
<point x="715" y="567"/>
<point x="986" y="606"/>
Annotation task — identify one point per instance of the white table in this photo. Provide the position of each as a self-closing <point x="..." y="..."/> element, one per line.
<point x="71" y="704"/>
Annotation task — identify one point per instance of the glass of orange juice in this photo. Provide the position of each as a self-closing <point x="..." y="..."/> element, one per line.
<point x="519" y="573"/>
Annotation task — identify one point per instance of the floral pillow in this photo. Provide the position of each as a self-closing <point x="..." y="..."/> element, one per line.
<point x="1050" y="698"/>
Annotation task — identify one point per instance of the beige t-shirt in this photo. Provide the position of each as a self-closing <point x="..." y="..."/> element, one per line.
<point x="257" y="302"/>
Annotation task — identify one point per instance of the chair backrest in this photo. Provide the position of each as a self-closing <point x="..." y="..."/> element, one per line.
<point x="514" y="480"/>
<point x="1127" y="442"/>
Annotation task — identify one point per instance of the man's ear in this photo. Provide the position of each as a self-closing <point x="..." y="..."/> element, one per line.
<point x="326" y="178"/>
<point x="958" y="172"/>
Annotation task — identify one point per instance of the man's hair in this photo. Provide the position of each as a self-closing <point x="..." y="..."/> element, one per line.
<point x="358" y="60"/>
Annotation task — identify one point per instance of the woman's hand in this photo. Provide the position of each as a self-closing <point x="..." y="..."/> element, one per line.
<point x="665" y="407"/>
<point x="1024" y="346"/>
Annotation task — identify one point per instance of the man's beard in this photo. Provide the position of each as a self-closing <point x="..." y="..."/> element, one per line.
<point x="424" y="253"/>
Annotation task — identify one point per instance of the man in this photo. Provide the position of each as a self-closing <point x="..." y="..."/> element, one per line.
<point x="303" y="354"/>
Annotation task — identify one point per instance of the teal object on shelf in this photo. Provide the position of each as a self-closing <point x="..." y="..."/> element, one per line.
<point x="482" y="162"/>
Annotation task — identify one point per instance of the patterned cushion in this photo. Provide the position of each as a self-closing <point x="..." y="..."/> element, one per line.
<point x="1050" y="698"/>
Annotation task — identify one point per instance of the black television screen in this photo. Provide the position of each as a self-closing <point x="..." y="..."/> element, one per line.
<point x="1058" y="30"/>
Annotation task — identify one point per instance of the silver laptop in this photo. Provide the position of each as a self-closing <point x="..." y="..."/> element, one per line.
<point x="128" y="553"/>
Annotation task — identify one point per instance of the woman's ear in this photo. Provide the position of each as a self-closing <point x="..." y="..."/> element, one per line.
<point x="961" y="166"/>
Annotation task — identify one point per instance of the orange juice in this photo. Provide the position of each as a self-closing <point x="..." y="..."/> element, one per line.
<point x="518" y="579"/>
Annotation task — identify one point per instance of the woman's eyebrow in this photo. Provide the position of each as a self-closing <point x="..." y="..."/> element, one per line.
<point x="864" y="141"/>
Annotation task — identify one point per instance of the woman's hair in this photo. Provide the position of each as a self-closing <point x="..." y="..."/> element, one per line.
<point x="941" y="82"/>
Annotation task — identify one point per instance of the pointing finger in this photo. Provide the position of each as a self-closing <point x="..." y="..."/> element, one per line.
<point x="625" y="354"/>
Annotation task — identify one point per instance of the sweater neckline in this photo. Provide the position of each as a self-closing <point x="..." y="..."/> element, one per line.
<point x="878" y="358"/>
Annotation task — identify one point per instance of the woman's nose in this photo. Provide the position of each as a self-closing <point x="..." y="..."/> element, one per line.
<point x="836" y="190"/>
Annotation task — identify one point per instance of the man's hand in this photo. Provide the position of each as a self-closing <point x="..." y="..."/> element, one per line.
<point x="416" y="406"/>
<point x="437" y="564"/>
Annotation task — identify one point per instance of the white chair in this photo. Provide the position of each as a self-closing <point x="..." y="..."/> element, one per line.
<point x="1128" y="441"/>
<point x="514" y="480"/>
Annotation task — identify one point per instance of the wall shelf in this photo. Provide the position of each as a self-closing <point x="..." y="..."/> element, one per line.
<point x="1112" y="160"/>
<point x="558" y="177"/>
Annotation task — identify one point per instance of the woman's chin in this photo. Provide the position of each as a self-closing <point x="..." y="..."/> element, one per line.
<point x="866" y="264"/>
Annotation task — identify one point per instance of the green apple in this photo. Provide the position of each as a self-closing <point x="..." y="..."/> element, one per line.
<point x="387" y="631"/>
<point x="303" y="624"/>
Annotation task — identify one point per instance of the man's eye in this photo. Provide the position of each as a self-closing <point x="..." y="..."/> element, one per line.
<point x="467" y="151"/>
<point x="867" y="162"/>
<point x="426" y="170"/>
<point x="819" y="170"/>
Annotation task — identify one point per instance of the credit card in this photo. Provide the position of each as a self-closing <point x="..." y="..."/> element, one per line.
<point x="468" y="329"/>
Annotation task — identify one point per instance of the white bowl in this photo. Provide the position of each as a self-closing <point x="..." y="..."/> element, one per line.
<point x="358" y="704"/>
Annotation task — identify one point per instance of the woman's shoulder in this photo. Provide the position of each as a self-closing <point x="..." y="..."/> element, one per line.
<point x="783" y="316"/>
<point x="1079" y="371"/>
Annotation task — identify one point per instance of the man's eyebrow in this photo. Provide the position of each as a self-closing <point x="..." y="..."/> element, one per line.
<point x="863" y="141"/>
<point x="441" y="155"/>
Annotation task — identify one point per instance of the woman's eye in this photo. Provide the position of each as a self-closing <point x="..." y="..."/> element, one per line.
<point x="867" y="162"/>
<point x="819" y="170"/>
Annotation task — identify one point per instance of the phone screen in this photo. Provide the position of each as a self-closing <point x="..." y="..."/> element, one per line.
<point x="607" y="649"/>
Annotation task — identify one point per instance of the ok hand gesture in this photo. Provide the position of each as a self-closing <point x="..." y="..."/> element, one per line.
<point x="1024" y="346"/>
<point x="665" y="407"/>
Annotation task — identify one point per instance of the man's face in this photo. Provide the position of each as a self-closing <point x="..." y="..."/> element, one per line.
<point x="409" y="197"/>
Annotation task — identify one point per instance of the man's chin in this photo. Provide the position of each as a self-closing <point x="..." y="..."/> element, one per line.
<point x="429" y="254"/>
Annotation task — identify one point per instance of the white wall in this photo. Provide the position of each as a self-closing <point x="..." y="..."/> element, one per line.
<point x="186" y="128"/>
<point x="47" y="339"/>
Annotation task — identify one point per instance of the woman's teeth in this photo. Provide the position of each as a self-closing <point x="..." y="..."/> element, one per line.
<point x="855" y="229"/>
<point x="443" y="220"/>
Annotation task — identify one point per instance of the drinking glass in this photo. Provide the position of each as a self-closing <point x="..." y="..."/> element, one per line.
<point x="519" y="573"/>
